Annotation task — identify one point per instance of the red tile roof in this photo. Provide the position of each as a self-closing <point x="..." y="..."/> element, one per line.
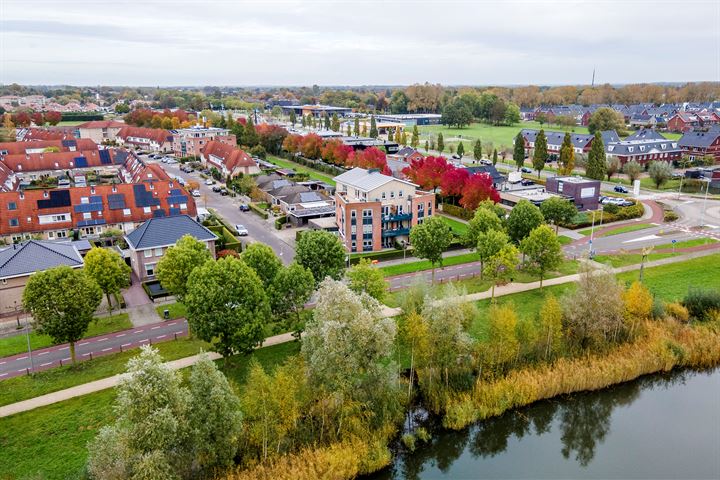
<point x="27" y="209"/>
<point x="232" y="157"/>
<point x="50" y="133"/>
<point x="35" y="162"/>
<point x="83" y="144"/>
<point x="101" y="124"/>
<point x="157" y="135"/>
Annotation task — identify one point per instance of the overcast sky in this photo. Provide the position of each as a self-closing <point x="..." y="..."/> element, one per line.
<point x="390" y="42"/>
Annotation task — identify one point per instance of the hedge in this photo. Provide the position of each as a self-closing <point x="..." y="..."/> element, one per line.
<point x="318" y="165"/>
<point x="259" y="211"/>
<point x="456" y="211"/>
<point x="584" y="219"/>
<point x="280" y="221"/>
<point x="74" y="117"/>
<point x="228" y="240"/>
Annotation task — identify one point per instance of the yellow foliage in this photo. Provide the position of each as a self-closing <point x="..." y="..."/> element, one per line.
<point x="677" y="311"/>
<point x="638" y="302"/>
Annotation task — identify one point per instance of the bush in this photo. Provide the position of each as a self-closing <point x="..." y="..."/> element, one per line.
<point x="702" y="303"/>
<point x="677" y="311"/>
<point x="280" y="221"/>
<point x="670" y="216"/>
<point x="408" y="440"/>
<point x="259" y="211"/>
<point x="456" y="211"/>
<point x="658" y="309"/>
<point x="611" y="208"/>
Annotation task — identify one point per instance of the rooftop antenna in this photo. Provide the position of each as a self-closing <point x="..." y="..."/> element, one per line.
<point x="593" y="79"/>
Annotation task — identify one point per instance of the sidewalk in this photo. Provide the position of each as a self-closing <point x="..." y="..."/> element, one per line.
<point x="653" y="214"/>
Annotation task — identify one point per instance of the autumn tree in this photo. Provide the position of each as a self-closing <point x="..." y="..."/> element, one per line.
<point x="477" y="188"/>
<point x="519" y="151"/>
<point x="108" y="269"/>
<point x="542" y="251"/>
<point x="550" y="327"/>
<point x="174" y="268"/>
<point x="430" y="239"/>
<point x="502" y="345"/>
<point x="638" y="304"/>
<point x="501" y="267"/>
<point x="53" y="118"/>
<point x="605" y="118"/>
<point x="540" y="153"/>
<point x="566" y="162"/>
<point x="596" y="165"/>
<point x="453" y="181"/>
<point x="557" y="210"/>
<point x="62" y="302"/>
<point x="322" y="253"/>
<point x="427" y="172"/>
<point x="523" y="219"/>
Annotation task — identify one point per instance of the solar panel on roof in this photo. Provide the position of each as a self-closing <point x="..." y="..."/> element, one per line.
<point x="57" y="199"/>
<point x="174" y="211"/>
<point x="158" y="213"/>
<point x="105" y="157"/>
<point x="81" y="162"/>
<point x="116" y="201"/>
<point x="94" y="221"/>
<point x="69" y="143"/>
<point x="144" y="198"/>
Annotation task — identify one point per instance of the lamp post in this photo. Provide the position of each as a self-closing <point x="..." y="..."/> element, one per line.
<point x="702" y="215"/>
<point x="592" y="234"/>
<point x="27" y="336"/>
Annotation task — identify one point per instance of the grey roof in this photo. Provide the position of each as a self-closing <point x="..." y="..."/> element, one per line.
<point x="164" y="231"/>
<point x="645" y="134"/>
<point x="641" y="147"/>
<point x="286" y="190"/>
<point x="496" y="176"/>
<point x="35" y="256"/>
<point x="366" y="180"/>
<point x="698" y="138"/>
<point x="579" y="140"/>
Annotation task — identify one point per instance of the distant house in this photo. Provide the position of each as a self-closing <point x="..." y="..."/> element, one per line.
<point x="21" y="260"/>
<point x="407" y="155"/>
<point x="699" y="143"/>
<point x="686" y="121"/>
<point x="644" y="120"/>
<point x="497" y="178"/>
<point x="229" y="160"/>
<point x="100" y="130"/>
<point x="154" y="139"/>
<point x="644" y="150"/>
<point x="300" y="202"/>
<point x="581" y="142"/>
<point x="149" y="242"/>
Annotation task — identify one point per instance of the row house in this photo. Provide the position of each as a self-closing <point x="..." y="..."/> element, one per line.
<point x="55" y="213"/>
<point x="153" y="139"/>
<point x="700" y="143"/>
<point x="230" y="160"/>
<point x="38" y="164"/>
<point x="686" y="121"/>
<point x="135" y="170"/>
<point x="40" y="146"/>
<point x="374" y="211"/>
<point x="581" y="141"/>
<point x="643" y="151"/>
<point x="100" y="131"/>
<point x="46" y="133"/>
<point x="189" y="142"/>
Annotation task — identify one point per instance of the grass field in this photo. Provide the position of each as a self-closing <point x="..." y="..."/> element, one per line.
<point x="50" y="442"/>
<point x="312" y="173"/>
<point x="100" y="326"/>
<point x="621" y="260"/>
<point x="459" y="228"/>
<point x="619" y="230"/>
<point x="696" y="242"/>
<point x="70" y="123"/>
<point x="564" y="240"/>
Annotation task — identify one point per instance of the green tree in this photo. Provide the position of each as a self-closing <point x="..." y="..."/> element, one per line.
<point x="427" y="146"/>
<point x="356" y="131"/>
<point x="596" y="164"/>
<point x="501" y="267"/>
<point x="175" y="267"/>
<point x="550" y="326"/>
<point x="557" y="210"/>
<point x="304" y="122"/>
<point x="291" y="289"/>
<point x="403" y="139"/>
<point x="108" y="269"/>
<point x="364" y="278"/>
<point x="456" y="114"/>
<point x="262" y="259"/>
<point x="150" y="435"/>
<point x="519" y="151"/>
<point x="606" y="119"/>
<point x="566" y="162"/>
<point x="477" y="150"/>
<point x="250" y="135"/>
<point x="461" y="149"/>
<point x="62" y="301"/>
<point x="632" y="169"/>
<point x="494" y="157"/>
<point x="430" y="239"/>
<point x="415" y="140"/>
<point x="373" y="127"/>
<point x="660" y="172"/>
<point x="483" y="220"/>
<point x="524" y="218"/>
<point x="227" y="306"/>
<point x="512" y="114"/>
<point x="214" y="417"/>
<point x="326" y="122"/>
<point x="349" y="130"/>
<point x="540" y="153"/>
<point x="440" y="142"/>
<point x="335" y="122"/>
<point x="542" y="251"/>
<point x="322" y="253"/>
<point x="502" y="346"/>
<point x="488" y="245"/>
<point x="398" y="136"/>
<point x="612" y="166"/>
<point x="293" y="117"/>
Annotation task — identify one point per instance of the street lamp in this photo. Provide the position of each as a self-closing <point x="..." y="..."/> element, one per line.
<point x="27" y="336"/>
<point x="592" y="235"/>
<point x="702" y="216"/>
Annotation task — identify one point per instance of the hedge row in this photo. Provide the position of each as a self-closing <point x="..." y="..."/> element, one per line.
<point x="456" y="211"/>
<point x="584" y="219"/>
<point x="259" y="211"/>
<point x="280" y="221"/>
<point x="75" y="117"/>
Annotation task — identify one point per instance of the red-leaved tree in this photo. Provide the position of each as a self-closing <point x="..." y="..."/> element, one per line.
<point x="38" y="119"/>
<point x="336" y="152"/>
<point x="478" y="187"/>
<point x="453" y="182"/>
<point x="271" y="137"/>
<point x="369" y="158"/>
<point x="53" y="118"/>
<point x="427" y="172"/>
<point x="311" y="144"/>
<point x="292" y="143"/>
<point x="21" y="119"/>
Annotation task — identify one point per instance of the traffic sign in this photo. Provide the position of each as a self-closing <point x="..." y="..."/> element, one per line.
<point x="674" y="240"/>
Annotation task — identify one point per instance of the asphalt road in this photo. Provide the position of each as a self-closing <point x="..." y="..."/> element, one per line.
<point x="259" y="230"/>
<point x="92" y="347"/>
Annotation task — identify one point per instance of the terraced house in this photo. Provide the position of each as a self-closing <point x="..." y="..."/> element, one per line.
<point x="374" y="211"/>
<point x="154" y="139"/>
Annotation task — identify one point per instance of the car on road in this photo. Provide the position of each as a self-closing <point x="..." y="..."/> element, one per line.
<point x="196" y="193"/>
<point x="241" y="230"/>
<point x="244" y="207"/>
<point x="677" y="175"/>
<point x="456" y="157"/>
<point x="209" y="181"/>
<point x="620" y="189"/>
<point x="485" y="161"/>
<point x="224" y="192"/>
<point x="216" y="188"/>
<point x="526" y="182"/>
<point x="525" y="170"/>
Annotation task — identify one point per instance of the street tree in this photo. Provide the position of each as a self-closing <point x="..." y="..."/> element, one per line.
<point x="293" y="117"/>
<point x="149" y="438"/>
<point x="519" y="151"/>
<point x="633" y="170"/>
<point x="501" y="267"/>
<point x="596" y="165"/>
<point x="356" y="130"/>
<point x="430" y="239"/>
<point x="542" y="251"/>
<point x="566" y="162"/>
<point x="365" y="278"/>
<point x="660" y="172"/>
<point x="335" y="124"/>
<point x="108" y="269"/>
<point x="322" y="253"/>
<point x="477" y="150"/>
<point x="483" y="220"/>
<point x="540" y="152"/>
<point x="494" y="157"/>
<point x="415" y="140"/>
<point x="612" y="166"/>
<point x="62" y="302"/>
<point x="523" y="219"/>
<point x="461" y="149"/>
<point x="262" y="259"/>
<point x="291" y="289"/>
<point x="440" y="142"/>
<point x="427" y="146"/>
<point x="227" y="306"/>
<point x="557" y="210"/>
<point x="373" y="127"/>
<point x="489" y="243"/>
<point x="175" y="267"/>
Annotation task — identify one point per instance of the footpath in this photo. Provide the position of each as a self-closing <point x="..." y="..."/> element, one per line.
<point x="500" y="291"/>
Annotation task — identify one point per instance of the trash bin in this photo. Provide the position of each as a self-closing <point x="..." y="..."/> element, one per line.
<point x="166" y="314"/>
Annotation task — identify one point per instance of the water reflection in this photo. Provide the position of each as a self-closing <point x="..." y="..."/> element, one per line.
<point x="573" y="426"/>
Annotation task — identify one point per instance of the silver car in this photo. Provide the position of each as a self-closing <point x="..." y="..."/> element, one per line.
<point x="241" y="230"/>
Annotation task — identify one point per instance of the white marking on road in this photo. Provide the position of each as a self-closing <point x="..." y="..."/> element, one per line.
<point x="65" y="348"/>
<point x="640" y="239"/>
<point x="120" y="335"/>
<point x="177" y="333"/>
<point x="43" y="353"/>
<point x="172" y="323"/>
<point x="102" y="339"/>
<point x="87" y="354"/>
<point x="138" y="331"/>
<point x="46" y="364"/>
<point x="84" y="343"/>
<point x="162" y="336"/>
<point x="106" y="349"/>
<point x="23" y="370"/>
<point x="65" y="359"/>
<point x="3" y="374"/>
<point x="126" y="344"/>
<point x="155" y="328"/>
<point x="3" y="363"/>
<point x="21" y="358"/>
<point x="144" y="340"/>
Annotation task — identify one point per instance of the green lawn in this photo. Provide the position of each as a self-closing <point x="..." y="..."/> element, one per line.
<point x="312" y="173"/>
<point x="177" y="310"/>
<point x="101" y="325"/>
<point x="425" y="265"/>
<point x="459" y="228"/>
<point x="50" y="442"/>
<point x="564" y="240"/>
<point x="625" y="229"/>
<point x="70" y="123"/>
<point x="621" y="260"/>
<point x="696" y="242"/>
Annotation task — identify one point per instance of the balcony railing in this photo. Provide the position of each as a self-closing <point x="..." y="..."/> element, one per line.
<point x="396" y="232"/>
<point x="398" y="217"/>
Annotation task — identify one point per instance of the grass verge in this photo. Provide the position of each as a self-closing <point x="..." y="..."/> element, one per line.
<point x="177" y="310"/>
<point x="457" y="227"/>
<point x="426" y="265"/>
<point x="311" y="172"/>
<point x="619" y="230"/>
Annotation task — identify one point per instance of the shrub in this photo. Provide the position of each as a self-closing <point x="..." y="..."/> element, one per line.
<point x="408" y="440"/>
<point x="658" y="309"/>
<point x="280" y="221"/>
<point x="701" y="303"/>
<point x="670" y="216"/>
<point x="456" y="211"/>
<point x="611" y="208"/>
<point x="259" y="211"/>
<point x="677" y="311"/>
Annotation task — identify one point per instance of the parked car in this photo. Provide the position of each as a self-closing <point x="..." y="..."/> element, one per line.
<point x="456" y="157"/>
<point x="602" y="199"/>
<point x="677" y="175"/>
<point x="224" y="192"/>
<point x="209" y="181"/>
<point x="216" y="188"/>
<point x="527" y="182"/>
<point x="525" y="170"/>
<point x="485" y="161"/>
<point x="244" y="207"/>
<point x="620" y="189"/>
<point x="242" y="231"/>
<point x="196" y="193"/>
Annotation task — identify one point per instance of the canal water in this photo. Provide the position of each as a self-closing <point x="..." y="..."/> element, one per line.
<point x="659" y="427"/>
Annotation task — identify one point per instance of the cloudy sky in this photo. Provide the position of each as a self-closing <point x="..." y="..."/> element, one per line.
<point x="390" y="42"/>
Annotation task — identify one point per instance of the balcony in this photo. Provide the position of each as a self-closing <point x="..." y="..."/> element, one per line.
<point x="397" y="217"/>
<point x="396" y="232"/>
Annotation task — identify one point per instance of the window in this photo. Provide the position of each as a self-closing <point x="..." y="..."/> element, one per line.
<point x="51" y="235"/>
<point x="382" y="195"/>
<point x="183" y="206"/>
<point x="61" y="234"/>
<point x="87" y="215"/>
<point x="353" y="229"/>
<point x="147" y="253"/>
<point x="367" y="213"/>
<point x="353" y="213"/>
<point x="14" y="222"/>
<point x="146" y="209"/>
<point x="149" y="269"/>
<point x="158" y="252"/>
<point x="126" y="211"/>
<point x="400" y="193"/>
<point x="392" y="193"/>
<point x="367" y="229"/>
<point x="12" y="206"/>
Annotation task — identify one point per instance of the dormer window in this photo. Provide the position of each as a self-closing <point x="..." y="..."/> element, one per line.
<point x="45" y="194"/>
<point x="92" y="189"/>
<point x="114" y="189"/>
